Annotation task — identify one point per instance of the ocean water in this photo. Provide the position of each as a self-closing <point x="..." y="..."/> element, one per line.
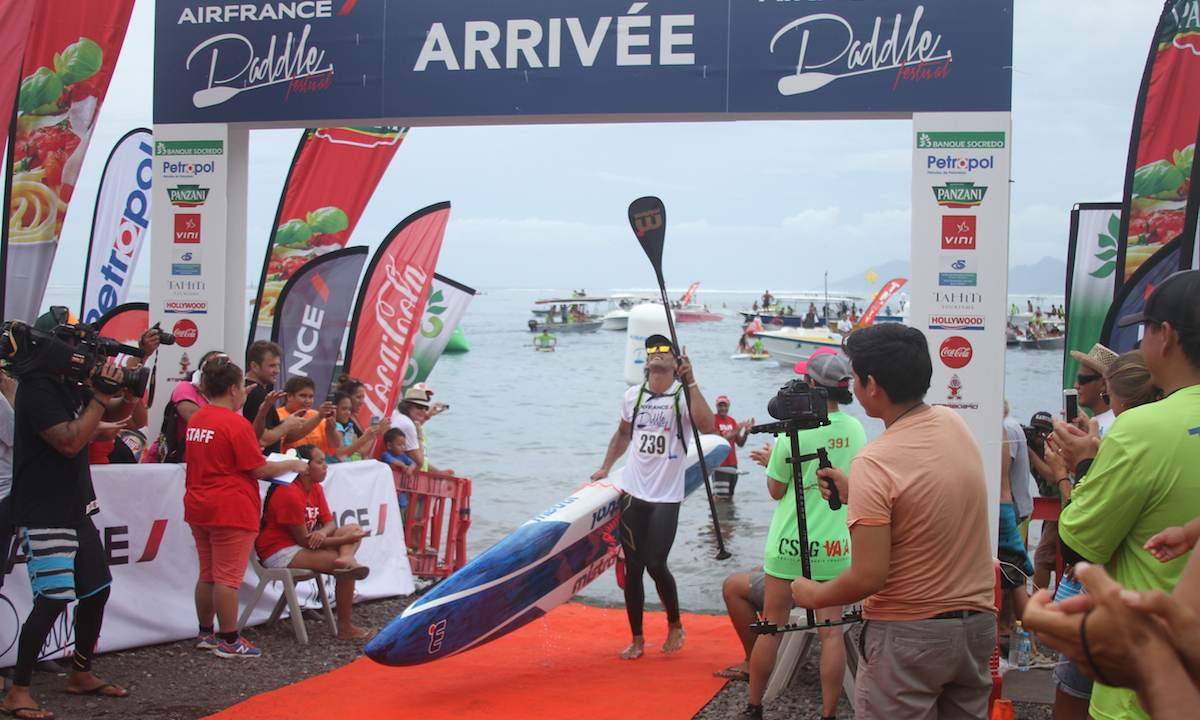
<point x="529" y="428"/>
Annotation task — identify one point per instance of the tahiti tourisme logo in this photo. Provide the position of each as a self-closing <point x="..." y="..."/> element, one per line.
<point x="958" y="194"/>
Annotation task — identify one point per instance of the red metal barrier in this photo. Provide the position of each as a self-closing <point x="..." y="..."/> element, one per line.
<point x="437" y="519"/>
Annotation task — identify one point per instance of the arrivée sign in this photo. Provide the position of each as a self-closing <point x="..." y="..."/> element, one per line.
<point x="465" y="60"/>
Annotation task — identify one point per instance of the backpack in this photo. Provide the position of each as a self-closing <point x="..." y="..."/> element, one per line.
<point x="170" y="448"/>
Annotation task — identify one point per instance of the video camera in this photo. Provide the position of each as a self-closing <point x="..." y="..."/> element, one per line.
<point x="797" y="406"/>
<point x="25" y="349"/>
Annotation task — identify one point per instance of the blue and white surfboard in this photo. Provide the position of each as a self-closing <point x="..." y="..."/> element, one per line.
<point x="538" y="567"/>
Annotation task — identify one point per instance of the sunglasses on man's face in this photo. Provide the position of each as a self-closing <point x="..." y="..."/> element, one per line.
<point x="658" y="349"/>
<point x="1085" y="379"/>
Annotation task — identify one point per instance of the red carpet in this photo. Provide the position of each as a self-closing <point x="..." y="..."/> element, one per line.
<point x="562" y="666"/>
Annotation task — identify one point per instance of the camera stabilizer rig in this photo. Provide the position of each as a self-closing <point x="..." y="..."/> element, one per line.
<point x="798" y="406"/>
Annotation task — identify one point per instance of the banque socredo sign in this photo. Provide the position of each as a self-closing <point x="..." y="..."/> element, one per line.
<point x="312" y="60"/>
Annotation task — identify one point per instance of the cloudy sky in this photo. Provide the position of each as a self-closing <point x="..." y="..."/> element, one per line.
<point x="544" y="207"/>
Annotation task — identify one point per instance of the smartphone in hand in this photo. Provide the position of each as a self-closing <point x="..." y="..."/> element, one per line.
<point x="1071" y="404"/>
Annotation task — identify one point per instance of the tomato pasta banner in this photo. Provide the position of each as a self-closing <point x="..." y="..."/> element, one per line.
<point x="70" y="55"/>
<point x="1160" y="166"/>
<point x="332" y="178"/>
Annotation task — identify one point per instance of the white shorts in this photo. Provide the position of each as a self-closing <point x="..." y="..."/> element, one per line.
<point x="283" y="558"/>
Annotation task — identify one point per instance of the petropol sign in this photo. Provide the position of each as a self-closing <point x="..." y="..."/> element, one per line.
<point x="326" y="59"/>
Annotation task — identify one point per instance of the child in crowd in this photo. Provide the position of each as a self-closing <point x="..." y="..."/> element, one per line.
<point x="394" y="455"/>
<point x="298" y="532"/>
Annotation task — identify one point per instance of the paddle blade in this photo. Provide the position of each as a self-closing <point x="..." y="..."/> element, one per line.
<point x="648" y="218"/>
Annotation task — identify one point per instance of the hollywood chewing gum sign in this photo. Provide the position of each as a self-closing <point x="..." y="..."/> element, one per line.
<point x="311" y="60"/>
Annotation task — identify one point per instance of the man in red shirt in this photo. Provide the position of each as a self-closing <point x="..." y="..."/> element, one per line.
<point x="736" y="433"/>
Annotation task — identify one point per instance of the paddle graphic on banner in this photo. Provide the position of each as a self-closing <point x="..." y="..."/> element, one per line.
<point x="69" y="60"/>
<point x="332" y="178"/>
<point x="389" y="307"/>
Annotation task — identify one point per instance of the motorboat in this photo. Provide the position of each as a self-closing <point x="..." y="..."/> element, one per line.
<point x="1046" y="337"/>
<point x="791" y="310"/>
<point x="619" y="305"/>
<point x="693" y="313"/>
<point x="587" y="326"/>
<point x="789" y="345"/>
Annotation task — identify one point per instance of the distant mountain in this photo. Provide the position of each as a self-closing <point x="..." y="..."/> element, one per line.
<point x="858" y="285"/>
<point x="1046" y="277"/>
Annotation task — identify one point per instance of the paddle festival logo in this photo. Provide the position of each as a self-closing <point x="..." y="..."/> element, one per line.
<point x="829" y="49"/>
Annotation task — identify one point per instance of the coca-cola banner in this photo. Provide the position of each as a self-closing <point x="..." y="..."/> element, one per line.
<point x="390" y="302"/>
<point x="444" y="309"/>
<point x="332" y="178"/>
<point x="889" y="289"/>
<point x="119" y="226"/>
<point x="1160" y="169"/>
<point x="69" y="60"/>
<point x="310" y="319"/>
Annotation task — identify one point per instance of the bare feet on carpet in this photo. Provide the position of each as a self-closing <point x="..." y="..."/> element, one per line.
<point x="635" y="649"/>
<point x="675" y="636"/>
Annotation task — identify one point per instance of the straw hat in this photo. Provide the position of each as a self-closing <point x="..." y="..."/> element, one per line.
<point x="1098" y="358"/>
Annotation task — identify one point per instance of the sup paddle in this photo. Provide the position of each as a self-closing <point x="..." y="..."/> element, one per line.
<point x="648" y="218"/>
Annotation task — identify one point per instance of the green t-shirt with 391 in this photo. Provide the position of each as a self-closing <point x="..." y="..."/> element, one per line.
<point x="828" y="536"/>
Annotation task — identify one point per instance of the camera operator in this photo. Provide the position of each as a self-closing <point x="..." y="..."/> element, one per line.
<point x="920" y="555"/>
<point x="656" y="417"/>
<point x="52" y="505"/>
<point x="828" y="535"/>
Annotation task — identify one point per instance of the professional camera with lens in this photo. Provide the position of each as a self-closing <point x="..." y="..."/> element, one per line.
<point x="800" y="405"/>
<point x="25" y="349"/>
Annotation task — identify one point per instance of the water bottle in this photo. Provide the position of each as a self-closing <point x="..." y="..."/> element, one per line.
<point x="1014" y="646"/>
<point x="1026" y="650"/>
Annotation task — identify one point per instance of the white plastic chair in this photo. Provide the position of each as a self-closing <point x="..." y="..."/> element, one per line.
<point x="791" y="652"/>
<point x="289" y="577"/>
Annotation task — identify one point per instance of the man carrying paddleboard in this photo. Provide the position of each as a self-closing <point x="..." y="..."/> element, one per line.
<point x="655" y="417"/>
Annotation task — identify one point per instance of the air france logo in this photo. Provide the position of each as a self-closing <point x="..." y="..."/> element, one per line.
<point x="958" y="232"/>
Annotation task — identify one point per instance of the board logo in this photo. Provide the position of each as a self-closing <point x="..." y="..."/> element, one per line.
<point x="956" y="194"/>
<point x="957" y="271"/>
<point x="958" y="232"/>
<point x="955" y="352"/>
<point x="187" y="196"/>
<point x="185" y="307"/>
<point x="960" y="140"/>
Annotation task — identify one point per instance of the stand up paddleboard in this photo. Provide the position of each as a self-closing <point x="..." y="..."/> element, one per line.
<point x="541" y="565"/>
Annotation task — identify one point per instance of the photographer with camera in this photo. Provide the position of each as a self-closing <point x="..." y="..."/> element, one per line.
<point x="657" y="417"/>
<point x="842" y="437"/>
<point x="52" y="500"/>
<point x="921" y="557"/>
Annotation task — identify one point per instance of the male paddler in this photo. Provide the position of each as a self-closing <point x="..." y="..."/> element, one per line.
<point x="545" y="341"/>
<point x="655" y="417"/>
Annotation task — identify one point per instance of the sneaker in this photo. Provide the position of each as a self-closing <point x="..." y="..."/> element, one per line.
<point x="206" y="641"/>
<point x="752" y="712"/>
<point x="240" y="649"/>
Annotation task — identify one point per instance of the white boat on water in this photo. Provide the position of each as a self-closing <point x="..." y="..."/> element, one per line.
<point x="619" y="305"/>
<point x="790" y="345"/>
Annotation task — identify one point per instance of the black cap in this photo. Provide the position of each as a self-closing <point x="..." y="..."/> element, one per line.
<point x="657" y="340"/>
<point x="1042" y="421"/>
<point x="1176" y="300"/>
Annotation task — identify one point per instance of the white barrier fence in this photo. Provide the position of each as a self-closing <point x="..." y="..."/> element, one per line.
<point x="153" y="558"/>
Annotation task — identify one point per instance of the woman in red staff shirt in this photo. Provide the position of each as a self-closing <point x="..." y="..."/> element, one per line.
<point x="298" y="532"/>
<point x="221" y="502"/>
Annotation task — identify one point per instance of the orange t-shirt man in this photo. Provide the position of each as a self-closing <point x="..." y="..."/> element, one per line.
<point x="937" y="505"/>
